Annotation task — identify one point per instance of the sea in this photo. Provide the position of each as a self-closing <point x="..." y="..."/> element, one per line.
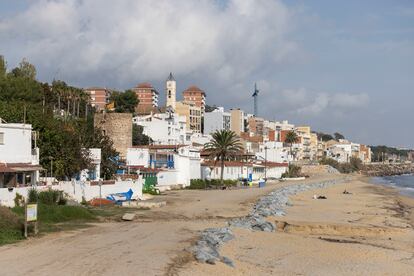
<point x="404" y="183"/>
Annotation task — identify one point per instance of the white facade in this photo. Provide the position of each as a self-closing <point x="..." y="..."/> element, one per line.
<point x="78" y="190"/>
<point x="216" y="120"/>
<point x="163" y="128"/>
<point x="273" y="152"/>
<point x="19" y="160"/>
<point x="95" y="172"/>
<point x="177" y="166"/>
<point x="16" y="144"/>
<point x="340" y="152"/>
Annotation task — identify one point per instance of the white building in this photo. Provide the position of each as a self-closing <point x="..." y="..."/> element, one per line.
<point x="234" y="170"/>
<point x="273" y="152"/>
<point x="173" y="165"/>
<point x="94" y="172"/>
<point x="19" y="157"/>
<point x="164" y="128"/>
<point x="216" y="120"/>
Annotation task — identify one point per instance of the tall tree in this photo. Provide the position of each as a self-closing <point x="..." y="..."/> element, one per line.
<point x="3" y="67"/>
<point x="223" y="145"/>
<point x="291" y="138"/>
<point x="25" y="70"/>
<point x="138" y="138"/>
<point x="125" y="102"/>
<point x="338" y="136"/>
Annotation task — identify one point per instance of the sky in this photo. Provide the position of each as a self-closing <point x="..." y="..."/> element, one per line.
<point x="338" y="66"/>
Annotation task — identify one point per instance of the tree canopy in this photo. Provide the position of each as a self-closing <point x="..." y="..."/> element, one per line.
<point x="62" y="116"/>
<point x="125" y="102"/>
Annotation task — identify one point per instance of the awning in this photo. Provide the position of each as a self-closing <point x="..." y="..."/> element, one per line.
<point x="19" y="167"/>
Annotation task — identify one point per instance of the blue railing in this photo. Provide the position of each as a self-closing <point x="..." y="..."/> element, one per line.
<point x="161" y="164"/>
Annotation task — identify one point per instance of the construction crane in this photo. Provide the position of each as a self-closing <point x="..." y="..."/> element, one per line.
<point x="255" y="95"/>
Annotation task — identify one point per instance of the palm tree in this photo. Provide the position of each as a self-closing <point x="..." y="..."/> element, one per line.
<point x="224" y="145"/>
<point x="291" y="138"/>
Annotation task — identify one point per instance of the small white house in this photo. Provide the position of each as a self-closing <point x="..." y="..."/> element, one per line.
<point x="19" y="155"/>
<point x="234" y="170"/>
<point x="173" y="165"/>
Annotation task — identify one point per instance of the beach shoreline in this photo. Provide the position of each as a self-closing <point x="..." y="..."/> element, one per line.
<point x="373" y="222"/>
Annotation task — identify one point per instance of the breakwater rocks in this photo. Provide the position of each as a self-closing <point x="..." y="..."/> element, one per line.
<point x="206" y="248"/>
<point x="387" y="169"/>
<point x="273" y="204"/>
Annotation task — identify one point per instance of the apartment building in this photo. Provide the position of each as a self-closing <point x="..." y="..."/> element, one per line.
<point x="195" y="95"/>
<point x="192" y="114"/>
<point x="216" y="120"/>
<point x="147" y="96"/>
<point x="99" y="97"/>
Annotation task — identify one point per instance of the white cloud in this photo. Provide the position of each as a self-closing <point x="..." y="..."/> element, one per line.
<point x="143" y="40"/>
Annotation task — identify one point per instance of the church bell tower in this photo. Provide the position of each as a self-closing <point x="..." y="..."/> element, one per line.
<point x="170" y="91"/>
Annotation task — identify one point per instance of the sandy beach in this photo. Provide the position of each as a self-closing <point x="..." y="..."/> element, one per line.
<point x="368" y="232"/>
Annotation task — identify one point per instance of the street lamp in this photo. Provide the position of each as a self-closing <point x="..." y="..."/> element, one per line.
<point x="265" y="163"/>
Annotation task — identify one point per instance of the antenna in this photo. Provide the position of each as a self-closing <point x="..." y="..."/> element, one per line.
<point x="255" y="95"/>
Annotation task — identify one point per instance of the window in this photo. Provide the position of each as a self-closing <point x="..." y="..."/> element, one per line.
<point x="1" y="138"/>
<point x="169" y="93"/>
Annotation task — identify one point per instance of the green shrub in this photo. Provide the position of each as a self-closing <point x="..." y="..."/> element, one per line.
<point x="293" y="171"/>
<point x="355" y="164"/>
<point x="51" y="197"/>
<point x="18" y="200"/>
<point x="213" y="183"/>
<point x="32" y="195"/>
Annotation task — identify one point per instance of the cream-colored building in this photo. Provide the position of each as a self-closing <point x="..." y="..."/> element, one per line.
<point x="192" y="114"/>
<point x="237" y="121"/>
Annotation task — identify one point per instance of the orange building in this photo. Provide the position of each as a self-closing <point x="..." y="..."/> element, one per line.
<point x="147" y="96"/>
<point x="195" y="95"/>
<point x="99" y="97"/>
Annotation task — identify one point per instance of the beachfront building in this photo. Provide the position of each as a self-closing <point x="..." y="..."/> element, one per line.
<point x="192" y="114"/>
<point x="99" y="97"/>
<point x="216" y="120"/>
<point x="164" y="128"/>
<point x="19" y="156"/>
<point x="172" y="165"/>
<point x="234" y="170"/>
<point x="148" y="98"/>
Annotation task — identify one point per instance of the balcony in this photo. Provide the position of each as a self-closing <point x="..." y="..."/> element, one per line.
<point x="159" y="164"/>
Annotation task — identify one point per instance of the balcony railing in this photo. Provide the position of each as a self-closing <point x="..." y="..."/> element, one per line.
<point x="161" y="164"/>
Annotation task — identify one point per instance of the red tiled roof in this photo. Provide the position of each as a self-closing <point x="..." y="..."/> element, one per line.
<point x="194" y="88"/>
<point x="144" y="85"/>
<point x="211" y="163"/>
<point x="159" y="146"/>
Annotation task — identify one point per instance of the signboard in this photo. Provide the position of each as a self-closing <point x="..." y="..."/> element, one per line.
<point x="31" y="212"/>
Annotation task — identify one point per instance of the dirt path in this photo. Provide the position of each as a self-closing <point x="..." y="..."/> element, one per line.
<point x="147" y="246"/>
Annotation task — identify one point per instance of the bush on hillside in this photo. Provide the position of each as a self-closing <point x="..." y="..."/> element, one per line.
<point x="354" y="165"/>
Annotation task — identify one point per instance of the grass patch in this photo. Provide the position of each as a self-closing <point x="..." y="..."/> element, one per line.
<point x="10" y="226"/>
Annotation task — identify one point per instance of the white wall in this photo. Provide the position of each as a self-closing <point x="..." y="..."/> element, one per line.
<point x="138" y="157"/>
<point x="77" y="190"/>
<point x="17" y="146"/>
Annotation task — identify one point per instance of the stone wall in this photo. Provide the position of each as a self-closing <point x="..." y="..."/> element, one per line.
<point x="118" y="126"/>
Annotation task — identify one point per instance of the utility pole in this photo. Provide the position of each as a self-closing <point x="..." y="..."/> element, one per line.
<point x="265" y="163"/>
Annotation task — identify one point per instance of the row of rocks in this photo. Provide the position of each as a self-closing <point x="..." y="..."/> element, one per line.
<point x="206" y="248"/>
<point x="273" y="204"/>
<point x="387" y="169"/>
